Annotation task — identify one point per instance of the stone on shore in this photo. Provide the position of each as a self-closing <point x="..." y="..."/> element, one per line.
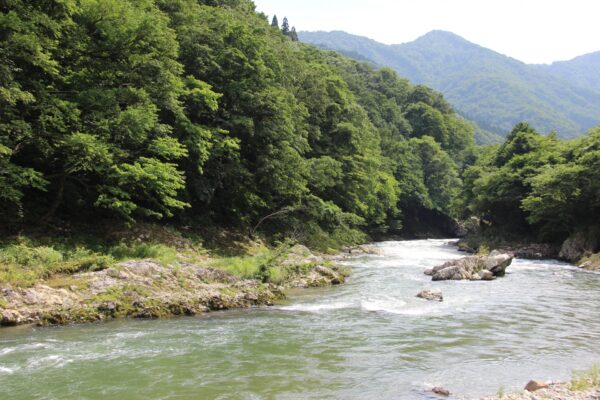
<point x="534" y="385"/>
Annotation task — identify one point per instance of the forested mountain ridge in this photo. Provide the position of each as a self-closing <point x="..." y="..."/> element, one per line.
<point x="489" y="88"/>
<point x="582" y="70"/>
<point x="203" y="113"/>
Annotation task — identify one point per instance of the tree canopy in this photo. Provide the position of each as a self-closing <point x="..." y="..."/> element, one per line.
<point x="200" y="112"/>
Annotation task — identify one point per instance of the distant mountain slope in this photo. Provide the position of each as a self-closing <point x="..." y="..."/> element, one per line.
<point x="489" y="88"/>
<point x="583" y="70"/>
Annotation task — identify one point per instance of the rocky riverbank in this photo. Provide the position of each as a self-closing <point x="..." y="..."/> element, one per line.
<point x="581" y="247"/>
<point x="147" y="289"/>
<point x="554" y="391"/>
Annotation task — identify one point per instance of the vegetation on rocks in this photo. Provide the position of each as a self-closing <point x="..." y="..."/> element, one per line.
<point x="143" y="279"/>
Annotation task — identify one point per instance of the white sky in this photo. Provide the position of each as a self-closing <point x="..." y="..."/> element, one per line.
<point x="533" y="31"/>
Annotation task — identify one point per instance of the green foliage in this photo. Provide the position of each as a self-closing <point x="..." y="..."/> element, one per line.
<point x="159" y="252"/>
<point x="583" y="380"/>
<point x="201" y="112"/>
<point x="24" y="263"/>
<point x="535" y="184"/>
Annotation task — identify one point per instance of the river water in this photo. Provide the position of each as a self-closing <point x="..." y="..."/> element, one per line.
<point x="368" y="339"/>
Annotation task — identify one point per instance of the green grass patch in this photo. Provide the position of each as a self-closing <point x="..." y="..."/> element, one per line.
<point x="591" y="262"/>
<point x="24" y="263"/>
<point x="247" y="267"/>
<point x="164" y="254"/>
<point x="264" y="264"/>
<point x="587" y="379"/>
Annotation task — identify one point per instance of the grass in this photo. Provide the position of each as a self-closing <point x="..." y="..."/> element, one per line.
<point x="483" y="250"/>
<point x="261" y="265"/>
<point x="501" y="392"/>
<point x="587" y="379"/>
<point x="591" y="262"/>
<point x="162" y="253"/>
<point x="25" y="260"/>
<point x="24" y="263"/>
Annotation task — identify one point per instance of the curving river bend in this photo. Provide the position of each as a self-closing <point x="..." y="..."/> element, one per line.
<point x="367" y="339"/>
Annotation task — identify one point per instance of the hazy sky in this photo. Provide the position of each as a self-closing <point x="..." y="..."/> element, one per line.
<point x="534" y="31"/>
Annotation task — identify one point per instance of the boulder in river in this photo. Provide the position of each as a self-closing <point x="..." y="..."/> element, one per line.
<point x="431" y="295"/>
<point x="473" y="268"/>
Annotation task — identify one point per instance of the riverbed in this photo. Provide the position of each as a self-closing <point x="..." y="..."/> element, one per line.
<point x="368" y="339"/>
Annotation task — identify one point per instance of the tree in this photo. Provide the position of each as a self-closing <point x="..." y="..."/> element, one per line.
<point x="294" y="34"/>
<point x="285" y="27"/>
<point x="275" y="22"/>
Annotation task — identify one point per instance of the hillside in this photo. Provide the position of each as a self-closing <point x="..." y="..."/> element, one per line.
<point x="582" y="70"/>
<point x="203" y="114"/>
<point x="494" y="90"/>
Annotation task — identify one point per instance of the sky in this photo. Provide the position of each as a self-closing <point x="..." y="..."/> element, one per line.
<point x="533" y="31"/>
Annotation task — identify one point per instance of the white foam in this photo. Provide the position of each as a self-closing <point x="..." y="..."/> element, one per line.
<point x="51" y="361"/>
<point x="6" y="370"/>
<point x="386" y="304"/>
<point x="316" y="307"/>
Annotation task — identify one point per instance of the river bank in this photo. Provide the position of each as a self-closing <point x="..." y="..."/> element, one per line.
<point x="181" y="279"/>
<point x="555" y="391"/>
<point x="584" y="385"/>
<point x="574" y="250"/>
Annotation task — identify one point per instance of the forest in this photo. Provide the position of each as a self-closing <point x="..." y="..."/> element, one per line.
<point x="203" y="113"/>
<point x="207" y="113"/>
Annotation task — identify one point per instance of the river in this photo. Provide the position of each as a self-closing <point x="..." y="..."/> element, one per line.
<point x="368" y="339"/>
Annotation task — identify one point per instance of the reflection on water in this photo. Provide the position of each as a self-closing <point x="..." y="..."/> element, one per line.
<point x="370" y="338"/>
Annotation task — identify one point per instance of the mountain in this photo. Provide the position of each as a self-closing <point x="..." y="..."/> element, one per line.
<point x="487" y="87"/>
<point x="583" y="70"/>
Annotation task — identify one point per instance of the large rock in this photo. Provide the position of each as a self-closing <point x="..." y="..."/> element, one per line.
<point x="472" y="268"/>
<point x="579" y="245"/>
<point x="300" y="255"/>
<point x="10" y="318"/>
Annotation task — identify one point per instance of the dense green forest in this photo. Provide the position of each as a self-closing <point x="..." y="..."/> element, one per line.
<point x="537" y="186"/>
<point x="205" y="113"/>
<point x="489" y="88"/>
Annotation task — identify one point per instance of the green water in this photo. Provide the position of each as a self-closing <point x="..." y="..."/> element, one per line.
<point x="368" y="339"/>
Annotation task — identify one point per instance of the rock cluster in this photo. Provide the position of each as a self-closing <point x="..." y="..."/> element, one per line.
<point x="474" y="268"/>
<point x="147" y="289"/>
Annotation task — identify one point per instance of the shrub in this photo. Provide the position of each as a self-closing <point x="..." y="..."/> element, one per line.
<point x="582" y="380"/>
<point x="159" y="252"/>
